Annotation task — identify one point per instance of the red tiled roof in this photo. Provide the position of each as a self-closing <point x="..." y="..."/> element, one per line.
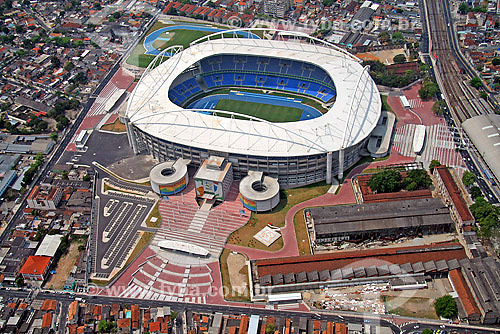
<point x="73" y="308"/>
<point x="244" y="324"/>
<point x="47" y="320"/>
<point x="154" y="326"/>
<point x="124" y="323"/>
<point x="49" y="305"/>
<point x="463" y="292"/>
<point x="361" y="258"/>
<point x="164" y="327"/>
<point x="35" y="265"/>
<point x="455" y="194"/>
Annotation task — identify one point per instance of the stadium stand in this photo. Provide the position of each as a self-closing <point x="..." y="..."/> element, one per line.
<point x="261" y="72"/>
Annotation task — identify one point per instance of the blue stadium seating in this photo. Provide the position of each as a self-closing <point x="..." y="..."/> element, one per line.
<point x="258" y="71"/>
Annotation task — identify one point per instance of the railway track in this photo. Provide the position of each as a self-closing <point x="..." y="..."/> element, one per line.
<point x="464" y="101"/>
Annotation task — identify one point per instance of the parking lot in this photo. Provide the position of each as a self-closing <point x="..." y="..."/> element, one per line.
<point x="119" y="216"/>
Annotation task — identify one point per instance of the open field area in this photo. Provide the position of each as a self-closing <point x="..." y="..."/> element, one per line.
<point x="180" y="37"/>
<point x="271" y="113"/>
<point x="64" y="266"/>
<point x="301" y="233"/>
<point x="116" y="126"/>
<point x="411" y="307"/>
<point x="232" y="294"/>
<point x="288" y="199"/>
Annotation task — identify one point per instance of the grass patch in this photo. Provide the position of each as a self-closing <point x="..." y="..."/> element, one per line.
<point x="288" y="198"/>
<point x="143" y="242"/>
<point x="385" y="104"/>
<point x="269" y="112"/>
<point x="99" y="282"/>
<point x="301" y="233"/>
<point x="137" y="56"/>
<point x="116" y="126"/>
<point x="304" y="100"/>
<point x="230" y="294"/>
<point x="178" y="37"/>
<point x="155" y="212"/>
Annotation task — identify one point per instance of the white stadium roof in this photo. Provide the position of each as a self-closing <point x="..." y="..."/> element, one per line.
<point x="351" y="119"/>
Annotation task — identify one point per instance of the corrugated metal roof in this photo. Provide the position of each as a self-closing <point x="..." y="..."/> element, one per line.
<point x="484" y="132"/>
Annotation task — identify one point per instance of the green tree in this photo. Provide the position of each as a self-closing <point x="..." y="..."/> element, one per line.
<point x="399" y="59"/>
<point x="438" y="107"/>
<point x="475" y="192"/>
<point x="463" y="8"/>
<point x="417" y="179"/>
<point x="476" y="82"/>
<point x="483" y="95"/>
<point x="270" y="328"/>
<point x="173" y="315"/>
<point x="69" y="66"/>
<point x="481" y="209"/>
<point x="397" y="36"/>
<point x="446" y="307"/>
<point x="434" y="164"/>
<point x="54" y="136"/>
<point x="384" y="37"/>
<point x="486" y="214"/>
<point x="385" y="181"/>
<point x="55" y="62"/>
<point x="19" y="282"/>
<point x="495" y="61"/>
<point x="106" y="326"/>
<point x="428" y="89"/>
<point x="468" y="178"/>
<point x="427" y="331"/>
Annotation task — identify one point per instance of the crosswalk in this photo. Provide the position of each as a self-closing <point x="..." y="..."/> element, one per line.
<point x="416" y="103"/>
<point x="158" y="279"/>
<point x="439" y="145"/>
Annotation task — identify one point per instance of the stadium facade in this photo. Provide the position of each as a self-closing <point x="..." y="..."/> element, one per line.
<point x="297" y="153"/>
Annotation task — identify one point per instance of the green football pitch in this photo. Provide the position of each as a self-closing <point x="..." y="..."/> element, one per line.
<point x="269" y="112"/>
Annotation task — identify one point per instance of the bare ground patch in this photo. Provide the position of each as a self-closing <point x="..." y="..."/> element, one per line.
<point x="64" y="266"/>
<point x="235" y="264"/>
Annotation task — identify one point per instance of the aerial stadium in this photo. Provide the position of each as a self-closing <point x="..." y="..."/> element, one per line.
<point x="289" y="105"/>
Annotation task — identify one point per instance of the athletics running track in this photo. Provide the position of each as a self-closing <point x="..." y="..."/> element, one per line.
<point x="149" y="39"/>
<point x="209" y="102"/>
